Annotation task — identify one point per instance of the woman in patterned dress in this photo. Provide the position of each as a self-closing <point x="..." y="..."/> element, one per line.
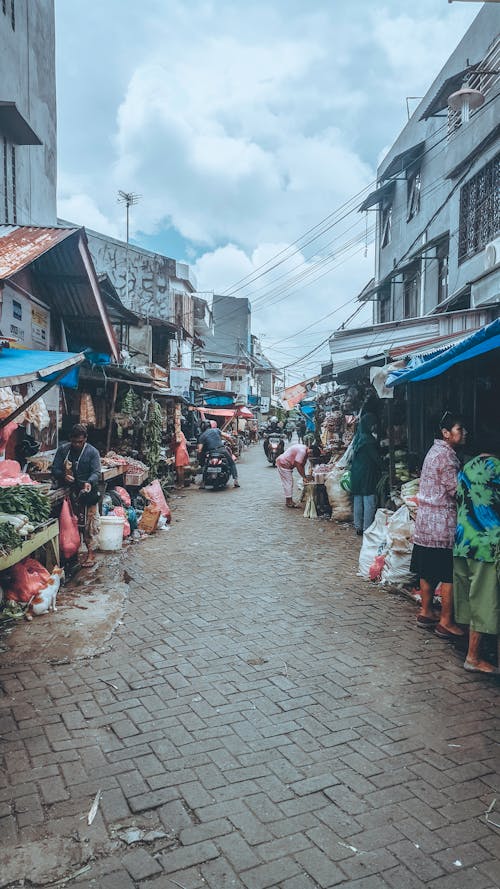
<point x="476" y="563"/>
<point x="435" y="526"/>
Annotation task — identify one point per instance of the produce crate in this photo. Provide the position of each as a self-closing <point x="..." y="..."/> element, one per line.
<point x="135" y="477"/>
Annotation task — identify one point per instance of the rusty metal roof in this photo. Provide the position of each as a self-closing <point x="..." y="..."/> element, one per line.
<point x="63" y="277"/>
<point x="20" y="245"/>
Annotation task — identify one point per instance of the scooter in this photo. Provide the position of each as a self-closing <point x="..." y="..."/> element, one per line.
<point x="274" y="445"/>
<point x="216" y="471"/>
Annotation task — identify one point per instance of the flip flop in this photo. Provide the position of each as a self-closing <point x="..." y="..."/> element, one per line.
<point x="471" y="668"/>
<point x="443" y="633"/>
<point x="427" y="622"/>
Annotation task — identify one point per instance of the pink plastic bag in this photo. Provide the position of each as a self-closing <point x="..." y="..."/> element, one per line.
<point x="69" y="535"/>
<point x="119" y="511"/>
<point x="155" y="495"/>
<point x="123" y="495"/>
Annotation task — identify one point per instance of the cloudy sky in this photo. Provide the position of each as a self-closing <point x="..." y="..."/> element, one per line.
<point x="248" y="129"/>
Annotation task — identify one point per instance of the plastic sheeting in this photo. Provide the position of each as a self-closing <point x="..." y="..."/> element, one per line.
<point x="19" y="366"/>
<point x="425" y="367"/>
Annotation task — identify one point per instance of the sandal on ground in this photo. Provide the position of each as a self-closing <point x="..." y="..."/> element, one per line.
<point x="475" y="668"/>
<point x="443" y="633"/>
<point x="427" y="622"/>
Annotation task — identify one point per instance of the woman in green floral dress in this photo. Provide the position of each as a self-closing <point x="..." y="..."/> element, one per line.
<point x="476" y="563"/>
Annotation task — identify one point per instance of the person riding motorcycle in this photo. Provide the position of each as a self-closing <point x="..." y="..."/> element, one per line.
<point x="274" y="427"/>
<point x="211" y="439"/>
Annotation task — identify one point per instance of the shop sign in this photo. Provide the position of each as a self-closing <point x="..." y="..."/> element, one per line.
<point x="180" y="381"/>
<point x="265" y="404"/>
<point x="39" y="326"/>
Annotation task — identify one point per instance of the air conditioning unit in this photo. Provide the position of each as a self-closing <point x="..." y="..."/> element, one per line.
<point x="492" y="254"/>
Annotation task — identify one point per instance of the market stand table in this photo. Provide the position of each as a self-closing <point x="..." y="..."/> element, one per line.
<point x="46" y="536"/>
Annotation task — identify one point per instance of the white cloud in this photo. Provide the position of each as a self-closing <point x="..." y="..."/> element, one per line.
<point x="241" y="126"/>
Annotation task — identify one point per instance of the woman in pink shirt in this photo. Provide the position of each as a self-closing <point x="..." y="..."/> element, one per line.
<point x="295" y="457"/>
<point x="435" y="525"/>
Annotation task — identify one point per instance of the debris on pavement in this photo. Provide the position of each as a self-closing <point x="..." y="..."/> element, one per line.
<point x="94" y="807"/>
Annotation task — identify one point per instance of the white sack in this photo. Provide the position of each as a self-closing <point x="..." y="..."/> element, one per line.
<point x="400" y="536"/>
<point x="375" y="542"/>
<point x="340" y="500"/>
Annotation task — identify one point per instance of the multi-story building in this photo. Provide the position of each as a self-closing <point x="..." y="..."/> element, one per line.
<point x="437" y="201"/>
<point x="160" y="291"/>
<point x="226" y="355"/>
<point x="27" y="113"/>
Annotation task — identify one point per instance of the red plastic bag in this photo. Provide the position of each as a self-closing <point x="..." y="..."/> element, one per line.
<point x="155" y="495"/>
<point x="69" y="535"/>
<point x="25" y="582"/>
<point x="376" y="567"/>
<point x="38" y="568"/>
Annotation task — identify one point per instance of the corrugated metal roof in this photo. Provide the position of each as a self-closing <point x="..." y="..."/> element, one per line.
<point x="64" y="277"/>
<point x="20" y="245"/>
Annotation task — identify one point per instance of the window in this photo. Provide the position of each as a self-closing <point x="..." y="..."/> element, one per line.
<point x="479" y="210"/>
<point x="384" y="304"/>
<point x="411" y="292"/>
<point x="385" y="225"/>
<point x="442" y="260"/>
<point x="413" y="188"/>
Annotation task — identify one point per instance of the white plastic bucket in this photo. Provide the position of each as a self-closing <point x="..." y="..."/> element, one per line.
<point x="111" y="533"/>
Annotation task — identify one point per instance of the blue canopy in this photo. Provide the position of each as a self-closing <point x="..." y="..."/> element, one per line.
<point x="307" y="410"/>
<point x="19" y="366"/>
<point x="424" y="367"/>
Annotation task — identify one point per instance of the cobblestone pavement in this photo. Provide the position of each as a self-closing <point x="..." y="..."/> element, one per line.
<point x="263" y="718"/>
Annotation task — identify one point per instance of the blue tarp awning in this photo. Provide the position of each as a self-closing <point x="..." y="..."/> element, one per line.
<point x="425" y="367"/>
<point x="19" y="366"/>
<point x="307" y="410"/>
<point x="219" y="400"/>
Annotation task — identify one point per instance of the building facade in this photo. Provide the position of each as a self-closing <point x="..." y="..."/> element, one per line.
<point x="27" y="113"/>
<point x="437" y="200"/>
<point x="159" y="290"/>
<point x="226" y="355"/>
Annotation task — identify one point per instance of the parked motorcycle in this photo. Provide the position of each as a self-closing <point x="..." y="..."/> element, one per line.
<point x="274" y="445"/>
<point x="217" y="470"/>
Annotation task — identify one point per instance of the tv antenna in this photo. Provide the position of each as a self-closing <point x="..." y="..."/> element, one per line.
<point x="129" y="198"/>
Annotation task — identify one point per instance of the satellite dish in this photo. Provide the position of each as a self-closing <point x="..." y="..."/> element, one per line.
<point x="465" y="100"/>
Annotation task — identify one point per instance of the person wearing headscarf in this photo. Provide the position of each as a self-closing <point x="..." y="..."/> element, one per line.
<point x="366" y="470"/>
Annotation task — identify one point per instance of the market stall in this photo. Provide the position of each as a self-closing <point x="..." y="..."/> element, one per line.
<point x="26" y="525"/>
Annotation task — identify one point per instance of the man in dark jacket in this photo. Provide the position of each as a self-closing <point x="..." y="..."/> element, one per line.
<point x="365" y="473"/>
<point x="211" y="439"/>
<point x="78" y="464"/>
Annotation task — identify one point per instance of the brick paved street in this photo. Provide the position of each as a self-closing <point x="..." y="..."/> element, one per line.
<point x="263" y="718"/>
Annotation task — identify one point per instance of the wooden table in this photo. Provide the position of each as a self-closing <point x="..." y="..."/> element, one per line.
<point x="110" y="472"/>
<point x="47" y="535"/>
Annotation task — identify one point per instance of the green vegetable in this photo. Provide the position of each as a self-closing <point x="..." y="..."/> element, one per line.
<point x="152" y="437"/>
<point x="25" y="499"/>
<point x="9" y="539"/>
<point x="131" y="404"/>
